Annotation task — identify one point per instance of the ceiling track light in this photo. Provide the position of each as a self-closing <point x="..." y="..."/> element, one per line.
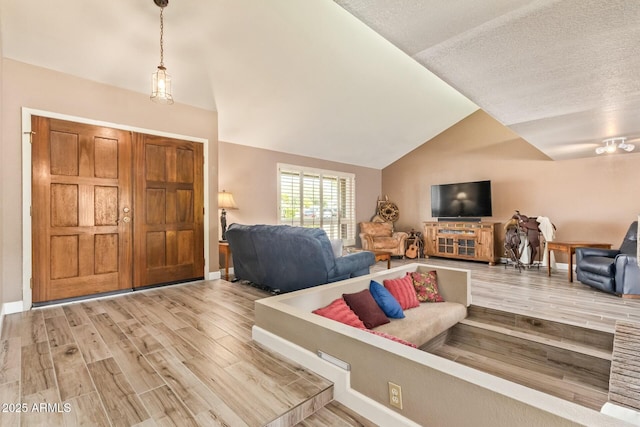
<point x="160" y="80"/>
<point x="612" y="144"/>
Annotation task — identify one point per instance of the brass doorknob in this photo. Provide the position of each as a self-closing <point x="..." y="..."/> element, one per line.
<point x="126" y="219"/>
<point x="126" y="210"/>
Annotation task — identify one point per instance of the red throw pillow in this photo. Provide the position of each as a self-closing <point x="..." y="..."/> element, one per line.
<point x="367" y="309"/>
<point x="426" y="286"/>
<point x="391" y="337"/>
<point x="402" y="289"/>
<point x="339" y="311"/>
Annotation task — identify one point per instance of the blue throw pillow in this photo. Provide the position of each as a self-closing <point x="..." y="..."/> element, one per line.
<point x="386" y="301"/>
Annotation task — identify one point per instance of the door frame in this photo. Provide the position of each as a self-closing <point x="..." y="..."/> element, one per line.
<point x="27" y="258"/>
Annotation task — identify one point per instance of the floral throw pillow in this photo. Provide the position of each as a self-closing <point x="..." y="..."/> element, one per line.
<point x="426" y="286"/>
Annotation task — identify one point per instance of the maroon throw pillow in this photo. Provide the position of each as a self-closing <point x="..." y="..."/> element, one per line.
<point x="402" y="290"/>
<point x="339" y="311"/>
<point x="426" y="286"/>
<point x="367" y="309"/>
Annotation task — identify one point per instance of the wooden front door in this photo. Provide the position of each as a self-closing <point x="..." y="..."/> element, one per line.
<point x="169" y="202"/>
<point x="81" y="177"/>
<point x="90" y="234"/>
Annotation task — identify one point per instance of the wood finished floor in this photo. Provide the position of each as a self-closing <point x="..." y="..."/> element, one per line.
<point x="179" y="355"/>
<point x="531" y="292"/>
<point x="183" y="355"/>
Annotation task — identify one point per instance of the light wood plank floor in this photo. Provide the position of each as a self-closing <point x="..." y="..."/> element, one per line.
<point x="180" y="355"/>
<point x="531" y="292"/>
<point x="183" y="355"/>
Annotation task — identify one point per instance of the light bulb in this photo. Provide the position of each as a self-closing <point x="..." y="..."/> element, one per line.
<point x="627" y="147"/>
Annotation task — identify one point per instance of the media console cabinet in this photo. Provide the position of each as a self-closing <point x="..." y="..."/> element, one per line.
<point x="474" y="241"/>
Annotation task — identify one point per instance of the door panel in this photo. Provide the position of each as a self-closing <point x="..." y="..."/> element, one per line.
<point x="81" y="180"/>
<point x="169" y="237"/>
<point x="89" y="234"/>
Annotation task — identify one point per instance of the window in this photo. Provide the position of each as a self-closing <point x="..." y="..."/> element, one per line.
<point x="318" y="199"/>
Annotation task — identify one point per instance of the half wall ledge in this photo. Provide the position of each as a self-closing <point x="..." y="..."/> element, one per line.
<point x="435" y="391"/>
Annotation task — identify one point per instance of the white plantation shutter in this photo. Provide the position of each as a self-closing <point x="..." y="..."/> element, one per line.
<point x="289" y="191"/>
<point x="319" y="199"/>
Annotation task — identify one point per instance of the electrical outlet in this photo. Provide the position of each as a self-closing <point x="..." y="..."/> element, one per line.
<point x="395" y="395"/>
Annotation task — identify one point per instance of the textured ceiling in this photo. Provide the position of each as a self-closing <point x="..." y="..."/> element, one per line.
<point x="303" y="77"/>
<point x="562" y="74"/>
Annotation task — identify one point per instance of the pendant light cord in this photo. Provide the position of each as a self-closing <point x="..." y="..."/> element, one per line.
<point x="161" y="36"/>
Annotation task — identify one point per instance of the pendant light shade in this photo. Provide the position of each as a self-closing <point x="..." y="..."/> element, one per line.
<point x="160" y="80"/>
<point x="161" y="86"/>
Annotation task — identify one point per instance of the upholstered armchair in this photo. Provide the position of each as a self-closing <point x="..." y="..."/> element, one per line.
<point x="612" y="270"/>
<point x="379" y="236"/>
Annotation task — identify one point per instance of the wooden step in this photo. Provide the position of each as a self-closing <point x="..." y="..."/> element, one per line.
<point x="564" y="360"/>
<point x="304" y="410"/>
<point x="532" y="356"/>
<point x="563" y="388"/>
<point x="549" y="340"/>
<point x="573" y="337"/>
<point x="336" y="415"/>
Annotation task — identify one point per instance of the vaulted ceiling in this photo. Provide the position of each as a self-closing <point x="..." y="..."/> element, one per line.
<point x="563" y="74"/>
<point x="361" y="82"/>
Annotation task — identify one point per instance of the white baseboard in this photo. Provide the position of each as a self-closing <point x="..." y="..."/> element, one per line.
<point x="10" y="308"/>
<point x="217" y="274"/>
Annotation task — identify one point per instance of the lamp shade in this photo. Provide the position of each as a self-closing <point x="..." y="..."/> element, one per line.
<point x="225" y="201"/>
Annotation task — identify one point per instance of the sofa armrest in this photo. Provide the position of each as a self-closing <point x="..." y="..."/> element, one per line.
<point x="586" y="252"/>
<point x="367" y="241"/>
<point x="627" y="275"/>
<point x="351" y="263"/>
<point x="400" y="235"/>
<point x="402" y="238"/>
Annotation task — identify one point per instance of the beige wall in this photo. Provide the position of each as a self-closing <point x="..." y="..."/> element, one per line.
<point x="38" y="88"/>
<point x="251" y="175"/>
<point x="587" y="199"/>
<point x="2" y="204"/>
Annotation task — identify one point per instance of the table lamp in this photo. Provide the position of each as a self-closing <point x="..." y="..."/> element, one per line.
<point x="225" y="201"/>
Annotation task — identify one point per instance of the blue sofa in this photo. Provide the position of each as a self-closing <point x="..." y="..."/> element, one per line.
<point x="283" y="258"/>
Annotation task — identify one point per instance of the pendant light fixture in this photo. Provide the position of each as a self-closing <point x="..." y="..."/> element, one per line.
<point x="160" y="80"/>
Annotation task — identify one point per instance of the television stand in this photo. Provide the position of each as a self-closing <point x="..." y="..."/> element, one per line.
<point x="473" y="241"/>
<point x="463" y="219"/>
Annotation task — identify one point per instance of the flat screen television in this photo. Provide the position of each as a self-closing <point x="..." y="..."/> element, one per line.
<point x="461" y="200"/>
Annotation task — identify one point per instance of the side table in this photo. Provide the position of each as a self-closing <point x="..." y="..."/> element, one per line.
<point x="379" y="255"/>
<point x="224" y="249"/>
<point x="570" y="248"/>
<point x="383" y="256"/>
